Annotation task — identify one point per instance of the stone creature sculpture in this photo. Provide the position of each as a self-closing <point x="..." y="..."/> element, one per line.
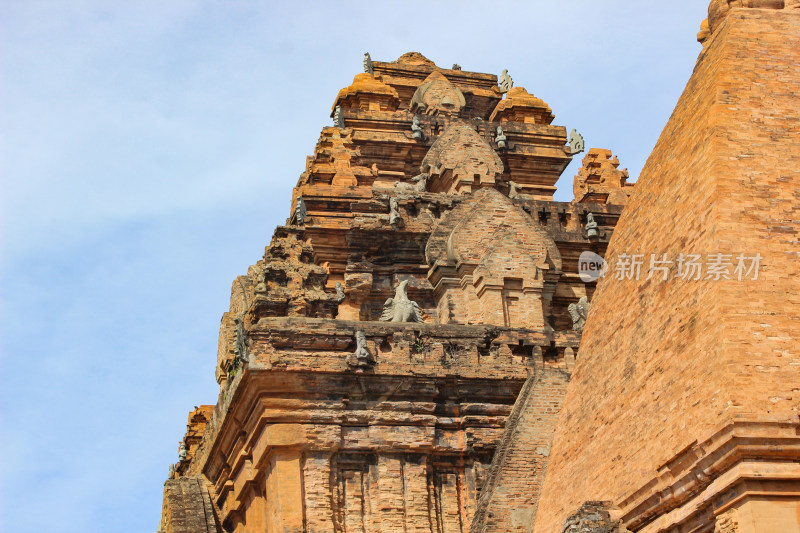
<point x="576" y="145"/>
<point x="591" y="226"/>
<point x="240" y="340"/>
<point x="339" y="292"/>
<point x="416" y="129"/>
<point x="338" y="117"/>
<point x="394" y="212"/>
<point x="300" y="211"/>
<point x="500" y="139"/>
<point x="579" y="312"/>
<point x="182" y="452"/>
<point x="455" y="66"/>
<point x="419" y="183"/>
<point x="361" y="357"/>
<point x="368" y="63"/>
<point x="400" y="308"/>
<point x="505" y="82"/>
<point x="261" y="285"/>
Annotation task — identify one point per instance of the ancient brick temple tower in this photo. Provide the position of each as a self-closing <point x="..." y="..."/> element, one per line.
<point x="415" y="319"/>
<point x="683" y="413"/>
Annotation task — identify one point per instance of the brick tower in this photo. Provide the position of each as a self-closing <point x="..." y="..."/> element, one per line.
<point x="416" y="301"/>
<point x="684" y="408"/>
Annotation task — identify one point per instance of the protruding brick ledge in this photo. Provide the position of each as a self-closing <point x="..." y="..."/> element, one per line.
<point x="743" y="459"/>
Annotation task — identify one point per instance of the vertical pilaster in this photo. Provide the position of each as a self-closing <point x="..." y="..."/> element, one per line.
<point x="285" y="491"/>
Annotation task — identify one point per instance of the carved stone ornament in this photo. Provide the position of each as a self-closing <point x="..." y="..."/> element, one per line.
<point x="576" y="145"/>
<point x="416" y="129"/>
<point x="591" y="226"/>
<point x="362" y="357"/>
<point x="394" y="213"/>
<point x="400" y="308"/>
<point x="368" y="63"/>
<point x="300" y="212"/>
<point x="240" y="341"/>
<point x="338" y="117"/>
<point x="505" y="82"/>
<point x="182" y="452"/>
<point x="418" y="183"/>
<point x="500" y="139"/>
<point x="579" y="312"/>
<point x="339" y="292"/>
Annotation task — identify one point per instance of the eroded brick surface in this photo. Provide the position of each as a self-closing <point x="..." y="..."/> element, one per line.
<point x="187" y="507"/>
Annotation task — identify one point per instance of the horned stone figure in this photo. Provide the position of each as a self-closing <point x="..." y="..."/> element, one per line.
<point x="394" y="213"/>
<point x="368" y="63"/>
<point x="500" y="138"/>
<point x="400" y="308"/>
<point x="416" y="129"/>
<point x="300" y="211"/>
<point x="579" y="312"/>
<point x="361" y="357"/>
<point x="339" y="292"/>
<point x="505" y="82"/>
<point x="575" y="142"/>
<point x="338" y="117"/>
<point x="591" y="226"/>
<point x="455" y="66"/>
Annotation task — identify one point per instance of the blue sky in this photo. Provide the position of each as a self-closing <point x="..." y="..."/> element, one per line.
<point x="148" y="150"/>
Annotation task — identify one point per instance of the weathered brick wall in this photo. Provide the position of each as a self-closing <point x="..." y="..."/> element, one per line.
<point x="663" y="364"/>
<point x="187" y="507"/>
<point x="508" y="501"/>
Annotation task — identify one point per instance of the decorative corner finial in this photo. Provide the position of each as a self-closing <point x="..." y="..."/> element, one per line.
<point x="338" y="117"/>
<point x="182" y="452"/>
<point x="500" y="139"/>
<point x="505" y="82"/>
<point x="455" y="66"/>
<point x="416" y="129"/>
<point x="368" y="64"/>
<point x="591" y="226"/>
<point x="300" y="212"/>
<point x="576" y="145"/>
